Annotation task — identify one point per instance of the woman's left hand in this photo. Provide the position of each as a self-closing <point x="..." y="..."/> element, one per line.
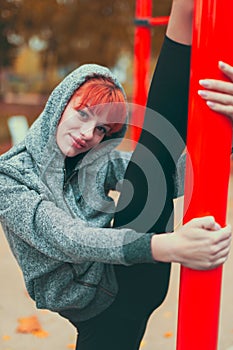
<point x="218" y="93"/>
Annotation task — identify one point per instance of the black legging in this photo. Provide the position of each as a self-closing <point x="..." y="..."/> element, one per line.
<point x="143" y="287"/>
<point x="110" y="330"/>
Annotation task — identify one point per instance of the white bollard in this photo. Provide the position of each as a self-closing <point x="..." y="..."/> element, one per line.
<point x="18" y="126"/>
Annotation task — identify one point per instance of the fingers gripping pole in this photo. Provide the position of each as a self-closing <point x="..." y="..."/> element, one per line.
<point x="209" y="147"/>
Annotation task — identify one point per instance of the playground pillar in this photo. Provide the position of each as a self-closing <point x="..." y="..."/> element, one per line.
<point x="209" y="147"/>
<point x="142" y="53"/>
<point x="142" y="50"/>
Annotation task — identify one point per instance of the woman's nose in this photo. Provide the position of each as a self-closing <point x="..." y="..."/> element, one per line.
<point x="87" y="132"/>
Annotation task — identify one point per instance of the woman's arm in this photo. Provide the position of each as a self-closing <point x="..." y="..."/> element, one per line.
<point x="34" y="219"/>
<point x="163" y="136"/>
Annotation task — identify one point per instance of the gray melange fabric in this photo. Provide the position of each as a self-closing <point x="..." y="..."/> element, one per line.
<point x="59" y="232"/>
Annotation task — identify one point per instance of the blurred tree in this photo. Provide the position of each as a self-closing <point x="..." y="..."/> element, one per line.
<point x="8" y="10"/>
<point x="77" y="31"/>
<point x="67" y="33"/>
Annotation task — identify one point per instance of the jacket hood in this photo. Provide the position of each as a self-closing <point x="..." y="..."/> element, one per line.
<point x="41" y="137"/>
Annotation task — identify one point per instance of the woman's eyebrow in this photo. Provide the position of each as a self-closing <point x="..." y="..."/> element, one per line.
<point x="90" y="109"/>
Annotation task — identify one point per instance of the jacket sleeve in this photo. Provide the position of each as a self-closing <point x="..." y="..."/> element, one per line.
<point x="38" y="222"/>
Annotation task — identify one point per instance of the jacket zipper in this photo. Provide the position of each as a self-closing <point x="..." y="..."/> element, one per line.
<point x="67" y="180"/>
<point x="63" y="194"/>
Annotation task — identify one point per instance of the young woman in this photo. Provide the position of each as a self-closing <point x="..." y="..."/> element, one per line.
<point x="56" y="211"/>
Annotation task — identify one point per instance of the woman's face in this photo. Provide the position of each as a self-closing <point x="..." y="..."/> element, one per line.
<point x="79" y="130"/>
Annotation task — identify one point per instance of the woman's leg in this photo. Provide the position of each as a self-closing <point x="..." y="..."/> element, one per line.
<point x="110" y="330"/>
<point x="143" y="287"/>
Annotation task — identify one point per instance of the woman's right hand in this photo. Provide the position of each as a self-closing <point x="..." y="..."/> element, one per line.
<point x="219" y="93"/>
<point x="200" y="244"/>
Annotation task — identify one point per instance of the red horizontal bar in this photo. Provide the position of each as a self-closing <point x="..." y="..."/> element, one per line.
<point x="151" y="21"/>
<point x="158" y="21"/>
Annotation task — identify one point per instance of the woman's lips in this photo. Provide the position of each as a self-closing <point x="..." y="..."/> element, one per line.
<point x="78" y="143"/>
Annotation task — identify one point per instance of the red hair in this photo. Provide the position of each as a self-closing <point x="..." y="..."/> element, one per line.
<point x="104" y="95"/>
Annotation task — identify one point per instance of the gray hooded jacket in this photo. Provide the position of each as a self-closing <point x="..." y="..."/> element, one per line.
<point x="58" y="227"/>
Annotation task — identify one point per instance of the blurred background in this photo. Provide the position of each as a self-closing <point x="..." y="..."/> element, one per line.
<point x="42" y="41"/>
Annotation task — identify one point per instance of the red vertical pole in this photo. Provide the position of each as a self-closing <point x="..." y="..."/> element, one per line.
<point x="209" y="147"/>
<point x="142" y="48"/>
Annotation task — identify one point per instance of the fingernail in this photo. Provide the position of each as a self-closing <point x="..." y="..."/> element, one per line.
<point x="222" y="65"/>
<point x="202" y="93"/>
<point x="204" y="83"/>
<point x="210" y="104"/>
<point x="217" y="226"/>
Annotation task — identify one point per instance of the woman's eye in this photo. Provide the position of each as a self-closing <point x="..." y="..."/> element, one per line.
<point x="83" y="114"/>
<point x="101" y="129"/>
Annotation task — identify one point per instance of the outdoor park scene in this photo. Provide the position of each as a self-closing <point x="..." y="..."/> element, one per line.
<point x="40" y="44"/>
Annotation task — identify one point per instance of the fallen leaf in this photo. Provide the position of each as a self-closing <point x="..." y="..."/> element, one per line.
<point x="71" y="346"/>
<point x="6" y="337"/>
<point x="31" y="325"/>
<point x="168" y="335"/>
<point x="28" y="324"/>
<point x="40" y="333"/>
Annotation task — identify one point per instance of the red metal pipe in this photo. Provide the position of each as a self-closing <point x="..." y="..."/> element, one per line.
<point x="142" y="50"/>
<point x="209" y="147"/>
<point x="152" y="21"/>
<point x="158" y="21"/>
